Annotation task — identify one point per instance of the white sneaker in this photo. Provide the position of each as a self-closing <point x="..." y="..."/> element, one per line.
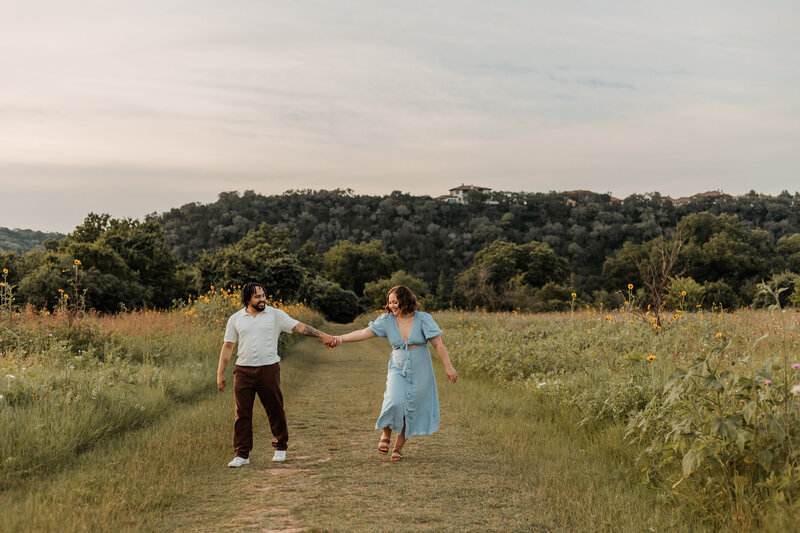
<point x="280" y="455"/>
<point x="238" y="461"/>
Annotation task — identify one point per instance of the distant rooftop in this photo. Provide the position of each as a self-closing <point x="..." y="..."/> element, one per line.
<point x="458" y="195"/>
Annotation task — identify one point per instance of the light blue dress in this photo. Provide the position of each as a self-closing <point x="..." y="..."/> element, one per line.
<point x="410" y="385"/>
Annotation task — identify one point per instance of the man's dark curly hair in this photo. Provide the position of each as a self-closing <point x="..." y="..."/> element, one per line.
<point x="406" y="300"/>
<point x="249" y="289"/>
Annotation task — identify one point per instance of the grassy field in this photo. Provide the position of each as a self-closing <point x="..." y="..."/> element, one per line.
<point x="539" y="434"/>
<point x="710" y="402"/>
<point x="67" y="382"/>
<point x="498" y="463"/>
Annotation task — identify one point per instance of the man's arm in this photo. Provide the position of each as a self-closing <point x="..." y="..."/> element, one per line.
<point x="309" y="331"/>
<point x="224" y="357"/>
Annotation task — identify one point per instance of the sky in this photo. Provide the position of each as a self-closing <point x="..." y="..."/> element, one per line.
<point x="131" y="108"/>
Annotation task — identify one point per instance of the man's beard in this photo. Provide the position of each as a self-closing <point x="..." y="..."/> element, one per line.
<point x="260" y="306"/>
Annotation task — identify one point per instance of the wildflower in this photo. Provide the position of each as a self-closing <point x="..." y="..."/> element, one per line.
<point x="2" y="284"/>
<point x="574" y="295"/>
<point x="608" y="317"/>
<point x="718" y="335"/>
<point x="683" y="293"/>
<point x="630" y="286"/>
<point x="767" y="382"/>
<point x="741" y="402"/>
<point x="651" y="358"/>
<point x="1" y="396"/>
<point x="795" y="390"/>
<point x="9" y="376"/>
<point x="5" y="271"/>
<point x="61" y="290"/>
<point x="77" y="262"/>
<point x="795" y="366"/>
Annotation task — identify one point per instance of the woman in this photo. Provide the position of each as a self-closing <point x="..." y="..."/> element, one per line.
<point x="410" y="403"/>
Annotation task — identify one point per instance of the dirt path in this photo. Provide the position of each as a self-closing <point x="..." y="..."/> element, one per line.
<point x="335" y="479"/>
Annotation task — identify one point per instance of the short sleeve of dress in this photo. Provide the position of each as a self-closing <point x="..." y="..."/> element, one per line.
<point x="378" y="326"/>
<point x="430" y="328"/>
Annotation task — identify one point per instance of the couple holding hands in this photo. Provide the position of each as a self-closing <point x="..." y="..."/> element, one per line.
<point x="410" y="402"/>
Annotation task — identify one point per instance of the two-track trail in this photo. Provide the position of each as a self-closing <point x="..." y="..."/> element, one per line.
<point x="334" y="477"/>
<point x="494" y="465"/>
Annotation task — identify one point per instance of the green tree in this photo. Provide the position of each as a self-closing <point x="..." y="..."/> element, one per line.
<point x="353" y="265"/>
<point x="123" y="263"/>
<point x="788" y="249"/>
<point x="719" y="248"/>
<point x="257" y="257"/>
<point x="620" y="270"/>
<point x="502" y="272"/>
<point x="375" y="291"/>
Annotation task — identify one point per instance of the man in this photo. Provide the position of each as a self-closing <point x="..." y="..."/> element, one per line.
<point x="257" y="371"/>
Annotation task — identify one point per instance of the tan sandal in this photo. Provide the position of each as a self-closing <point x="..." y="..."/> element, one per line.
<point x="383" y="446"/>
<point x="397" y="455"/>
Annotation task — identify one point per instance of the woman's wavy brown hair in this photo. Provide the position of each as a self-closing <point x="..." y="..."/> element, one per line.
<point x="405" y="299"/>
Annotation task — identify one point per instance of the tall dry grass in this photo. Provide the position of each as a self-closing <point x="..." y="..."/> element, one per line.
<point x="69" y="382"/>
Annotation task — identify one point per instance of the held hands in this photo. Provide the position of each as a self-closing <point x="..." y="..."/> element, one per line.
<point x="331" y="341"/>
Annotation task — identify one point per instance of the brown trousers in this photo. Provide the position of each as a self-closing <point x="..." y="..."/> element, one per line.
<point x="266" y="382"/>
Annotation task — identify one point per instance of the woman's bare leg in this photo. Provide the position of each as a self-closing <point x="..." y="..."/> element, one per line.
<point x="386" y="438"/>
<point x="401" y="439"/>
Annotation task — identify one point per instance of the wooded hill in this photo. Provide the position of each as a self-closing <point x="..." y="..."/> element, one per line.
<point x="24" y="240"/>
<point x="431" y="236"/>
<point x="500" y="250"/>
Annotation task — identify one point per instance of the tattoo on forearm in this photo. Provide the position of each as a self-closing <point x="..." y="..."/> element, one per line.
<point x="308" y="331"/>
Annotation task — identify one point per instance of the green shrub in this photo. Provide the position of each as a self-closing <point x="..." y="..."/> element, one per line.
<point x="684" y="294"/>
<point x="338" y="304"/>
<point x="720" y="294"/>
<point x="375" y="291"/>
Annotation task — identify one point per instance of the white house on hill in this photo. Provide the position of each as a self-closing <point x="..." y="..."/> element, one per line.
<point x="458" y="195"/>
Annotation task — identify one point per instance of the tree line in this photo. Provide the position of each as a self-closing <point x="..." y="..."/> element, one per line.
<point x="339" y="251"/>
